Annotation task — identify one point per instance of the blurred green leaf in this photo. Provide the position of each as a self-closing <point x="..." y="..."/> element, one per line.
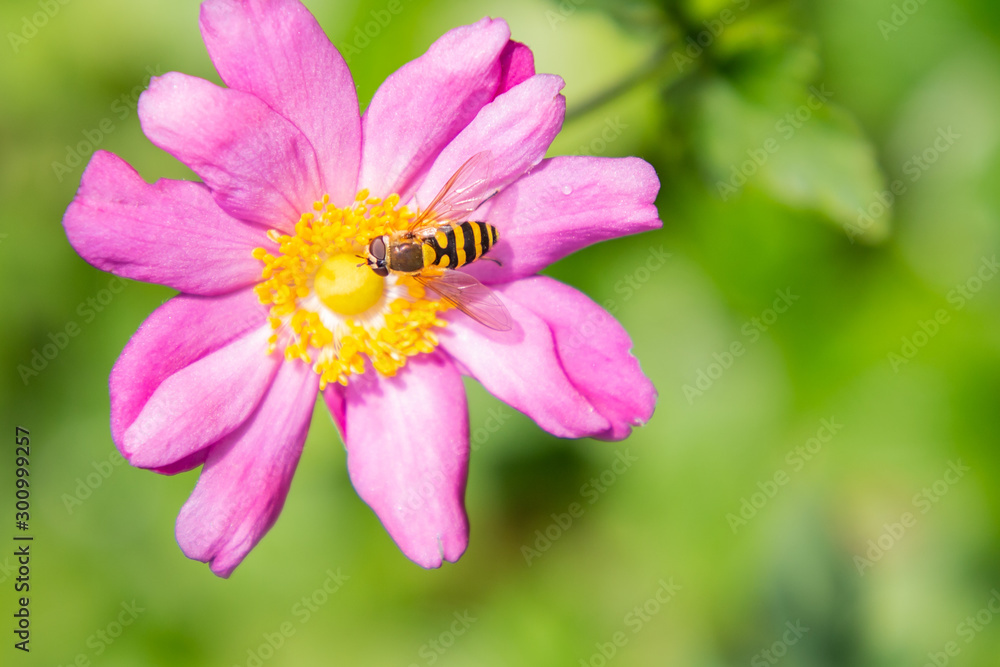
<point x="829" y="356"/>
<point x="809" y="156"/>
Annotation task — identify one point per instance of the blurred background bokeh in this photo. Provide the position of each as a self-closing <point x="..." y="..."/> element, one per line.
<point x="818" y="484"/>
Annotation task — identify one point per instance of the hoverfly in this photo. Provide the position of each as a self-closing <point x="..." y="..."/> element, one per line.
<point x="441" y="239"/>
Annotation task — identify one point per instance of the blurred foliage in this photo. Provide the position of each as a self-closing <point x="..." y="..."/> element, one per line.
<point x="703" y="89"/>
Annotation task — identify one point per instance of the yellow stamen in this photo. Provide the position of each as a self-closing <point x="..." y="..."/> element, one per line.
<point x="333" y="314"/>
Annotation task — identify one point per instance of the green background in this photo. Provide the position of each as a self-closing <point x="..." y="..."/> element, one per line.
<point x="894" y="78"/>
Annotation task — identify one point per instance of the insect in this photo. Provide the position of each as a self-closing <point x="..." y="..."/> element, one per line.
<point x="441" y="239"/>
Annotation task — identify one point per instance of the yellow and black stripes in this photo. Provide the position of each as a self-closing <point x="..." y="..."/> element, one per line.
<point x="452" y="246"/>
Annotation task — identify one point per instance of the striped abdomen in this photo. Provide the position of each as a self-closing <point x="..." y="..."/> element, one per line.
<point x="455" y="245"/>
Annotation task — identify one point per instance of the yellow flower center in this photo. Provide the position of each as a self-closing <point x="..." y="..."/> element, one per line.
<point x="346" y="287"/>
<point x="329" y="309"/>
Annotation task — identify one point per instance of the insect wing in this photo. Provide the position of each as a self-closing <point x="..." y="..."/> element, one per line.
<point x="470" y="296"/>
<point x="462" y="194"/>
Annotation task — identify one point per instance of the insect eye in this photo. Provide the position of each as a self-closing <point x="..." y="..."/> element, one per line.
<point x="381" y="271"/>
<point x="377" y="248"/>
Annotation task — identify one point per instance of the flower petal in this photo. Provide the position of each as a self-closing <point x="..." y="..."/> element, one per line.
<point x="426" y="103"/>
<point x="183" y="465"/>
<point x="408" y="453"/>
<point x="522" y="368"/>
<point x="594" y="350"/>
<point x="277" y="51"/>
<point x="243" y="485"/>
<point x="170" y="232"/>
<point x="336" y="402"/>
<point x="563" y="205"/>
<point x="258" y="165"/>
<point x="179" y="333"/>
<point x="201" y="403"/>
<point x="517" y="128"/>
<point x="517" y="64"/>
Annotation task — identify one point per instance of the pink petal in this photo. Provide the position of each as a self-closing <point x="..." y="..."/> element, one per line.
<point x="336" y="401"/>
<point x="243" y="485"/>
<point x="408" y="452"/>
<point x="277" y="51"/>
<point x="522" y="368"/>
<point x="517" y="64"/>
<point x="517" y="128"/>
<point x="201" y="403"/>
<point x="258" y="165"/>
<point x="177" y="334"/>
<point x="426" y="103"/>
<point x="594" y="350"/>
<point x="170" y="232"/>
<point x="183" y="465"/>
<point x="563" y="205"/>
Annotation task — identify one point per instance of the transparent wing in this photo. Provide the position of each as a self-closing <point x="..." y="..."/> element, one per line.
<point x="470" y="296"/>
<point x="468" y="187"/>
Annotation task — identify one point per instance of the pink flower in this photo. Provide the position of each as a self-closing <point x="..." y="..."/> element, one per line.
<point x="226" y="373"/>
